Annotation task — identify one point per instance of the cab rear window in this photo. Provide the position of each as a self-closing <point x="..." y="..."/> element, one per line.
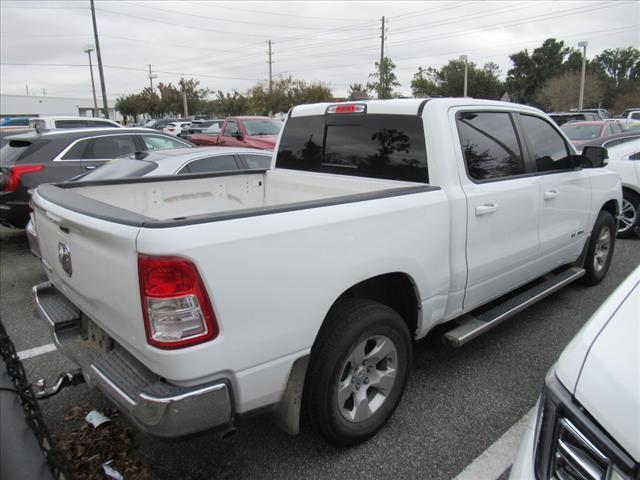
<point x="367" y="145"/>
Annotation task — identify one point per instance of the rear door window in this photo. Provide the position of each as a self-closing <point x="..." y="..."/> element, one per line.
<point x="217" y="163"/>
<point x="256" y="161"/>
<point x="368" y="145"/>
<point x="76" y="151"/>
<point x="71" y="123"/>
<point x="490" y="145"/>
<point x="113" y="146"/>
<point x="157" y="142"/>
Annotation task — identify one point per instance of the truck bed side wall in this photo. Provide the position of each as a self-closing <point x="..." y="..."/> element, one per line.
<point x="272" y="279"/>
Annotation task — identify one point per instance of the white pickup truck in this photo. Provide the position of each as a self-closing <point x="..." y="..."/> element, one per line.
<point x="192" y="300"/>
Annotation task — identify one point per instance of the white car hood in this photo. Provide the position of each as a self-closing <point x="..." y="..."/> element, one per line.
<point x="601" y="365"/>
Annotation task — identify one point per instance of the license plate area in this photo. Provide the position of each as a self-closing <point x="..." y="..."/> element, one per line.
<point x="96" y="337"/>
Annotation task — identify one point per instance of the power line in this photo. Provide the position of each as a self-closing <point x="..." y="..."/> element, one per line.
<point x="118" y="67"/>
<point x="219" y="19"/>
<point x="588" y="33"/>
<point x="279" y="14"/>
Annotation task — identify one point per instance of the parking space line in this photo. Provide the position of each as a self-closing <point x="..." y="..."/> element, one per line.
<point x="493" y="462"/>
<point x="34" y="352"/>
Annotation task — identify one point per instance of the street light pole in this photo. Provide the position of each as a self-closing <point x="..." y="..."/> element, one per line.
<point x="464" y="58"/>
<point x="88" y="49"/>
<point x="100" y="70"/>
<point x="584" y="67"/>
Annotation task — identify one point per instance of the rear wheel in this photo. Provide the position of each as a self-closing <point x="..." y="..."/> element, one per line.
<point x="629" y="214"/>
<point x="600" y="249"/>
<point x="358" y="371"/>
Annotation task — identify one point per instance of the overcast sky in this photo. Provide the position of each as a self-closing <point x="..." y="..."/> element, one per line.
<point x="224" y="44"/>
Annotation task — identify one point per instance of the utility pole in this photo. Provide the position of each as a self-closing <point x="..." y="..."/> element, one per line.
<point x="184" y="104"/>
<point x="270" y="79"/>
<point x="151" y="77"/>
<point x="27" y="87"/>
<point x="270" y="71"/>
<point x="44" y="92"/>
<point x="584" y="66"/>
<point x="100" y="70"/>
<point x="88" y="49"/>
<point x="381" y="79"/>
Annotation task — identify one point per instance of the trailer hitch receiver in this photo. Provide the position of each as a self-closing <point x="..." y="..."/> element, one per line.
<point x="72" y="378"/>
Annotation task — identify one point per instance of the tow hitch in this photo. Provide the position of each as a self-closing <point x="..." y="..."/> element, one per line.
<point x="72" y="378"/>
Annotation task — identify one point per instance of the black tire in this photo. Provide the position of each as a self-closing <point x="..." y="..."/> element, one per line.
<point x="630" y="212"/>
<point x="350" y="324"/>
<point x="596" y="263"/>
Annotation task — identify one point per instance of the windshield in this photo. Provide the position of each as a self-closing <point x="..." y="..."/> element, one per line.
<point x="581" y="132"/>
<point x="263" y="126"/>
<point x="124" y="167"/>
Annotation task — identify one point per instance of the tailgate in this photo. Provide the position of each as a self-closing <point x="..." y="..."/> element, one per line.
<point x="93" y="262"/>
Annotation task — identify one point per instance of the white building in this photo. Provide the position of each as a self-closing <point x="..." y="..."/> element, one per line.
<point x="38" y="106"/>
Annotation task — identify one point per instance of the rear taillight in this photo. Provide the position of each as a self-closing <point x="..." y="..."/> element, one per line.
<point x="175" y="305"/>
<point x="15" y="174"/>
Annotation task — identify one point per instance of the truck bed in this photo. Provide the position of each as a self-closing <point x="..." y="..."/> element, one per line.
<point x="170" y="201"/>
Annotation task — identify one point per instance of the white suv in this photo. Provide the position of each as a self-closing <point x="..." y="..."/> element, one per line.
<point x="58" y="122"/>
<point x="589" y="412"/>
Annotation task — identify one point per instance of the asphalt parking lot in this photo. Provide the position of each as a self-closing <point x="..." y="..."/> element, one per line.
<point x="457" y="402"/>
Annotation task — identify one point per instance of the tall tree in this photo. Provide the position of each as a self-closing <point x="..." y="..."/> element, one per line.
<point x="449" y="81"/>
<point x="384" y="79"/>
<point x="531" y="71"/>
<point x="285" y="93"/>
<point x="357" y="91"/>
<point x="621" y="64"/>
<point x="560" y="93"/>
<point x="425" y="82"/>
<point x="230" y="104"/>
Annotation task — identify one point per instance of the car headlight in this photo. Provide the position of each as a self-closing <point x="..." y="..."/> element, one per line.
<point x="570" y="445"/>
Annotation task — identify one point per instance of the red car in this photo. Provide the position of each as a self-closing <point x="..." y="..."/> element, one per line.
<point x="248" y="132"/>
<point x="582" y="132"/>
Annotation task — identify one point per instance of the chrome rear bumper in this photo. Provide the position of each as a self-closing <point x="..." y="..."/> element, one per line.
<point x="155" y="406"/>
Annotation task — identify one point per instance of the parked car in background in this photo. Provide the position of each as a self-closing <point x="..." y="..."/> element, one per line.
<point x="251" y="132"/>
<point x="588" y="416"/>
<point x="632" y="119"/>
<point x="562" y="118"/>
<point x="179" y="161"/>
<point x="175" y="128"/>
<point x="211" y="127"/>
<point x="34" y="158"/>
<point x="582" y="132"/>
<point x="601" y="112"/>
<point x="615" y="139"/>
<point x="624" y="159"/>
<point x="161" y="123"/>
<point x="12" y="123"/>
<point x="43" y="124"/>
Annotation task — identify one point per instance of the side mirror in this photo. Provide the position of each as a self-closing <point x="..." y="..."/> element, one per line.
<point x="594" y="157"/>
<point x="237" y="135"/>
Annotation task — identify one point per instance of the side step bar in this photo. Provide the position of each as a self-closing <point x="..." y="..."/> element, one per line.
<point x="483" y="319"/>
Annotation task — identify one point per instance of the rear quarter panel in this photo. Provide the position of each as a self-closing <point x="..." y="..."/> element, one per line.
<point x="273" y="278"/>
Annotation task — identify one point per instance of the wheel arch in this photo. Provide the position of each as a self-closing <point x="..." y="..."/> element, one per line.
<point x="397" y="290"/>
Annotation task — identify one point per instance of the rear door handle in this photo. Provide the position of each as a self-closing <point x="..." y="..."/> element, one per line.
<point x="551" y="194"/>
<point x="486" y="209"/>
<point x="90" y="167"/>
